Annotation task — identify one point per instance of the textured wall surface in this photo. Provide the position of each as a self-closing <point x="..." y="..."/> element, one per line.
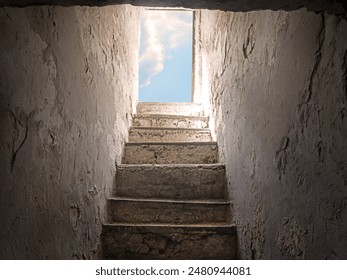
<point x="67" y="87"/>
<point x="278" y="83"/>
<point x="335" y="6"/>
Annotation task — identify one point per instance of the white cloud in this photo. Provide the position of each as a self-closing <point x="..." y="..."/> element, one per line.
<point x="162" y="31"/>
<point x="147" y="82"/>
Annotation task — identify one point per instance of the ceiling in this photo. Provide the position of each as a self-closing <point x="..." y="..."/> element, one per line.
<point x="331" y="6"/>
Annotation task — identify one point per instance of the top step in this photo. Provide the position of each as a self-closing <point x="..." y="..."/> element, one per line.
<point x="170" y="108"/>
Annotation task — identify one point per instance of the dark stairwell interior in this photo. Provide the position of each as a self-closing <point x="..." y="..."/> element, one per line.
<point x="273" y="75"/>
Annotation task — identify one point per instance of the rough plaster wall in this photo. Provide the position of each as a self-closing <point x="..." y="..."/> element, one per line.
<point x="279" y="88"/>
<point x="67" y="83"/>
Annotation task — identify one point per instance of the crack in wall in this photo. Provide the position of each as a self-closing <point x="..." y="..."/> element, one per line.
<point x="249" y="44"/>
<point x="303" y="107"/>
<point x="16" y="136"/>
<point x="281" y="157"/>
<point x="318" y="57"/>
<point x="344" y="73"/>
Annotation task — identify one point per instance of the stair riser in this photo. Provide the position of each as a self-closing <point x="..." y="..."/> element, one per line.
<point x="172" y="122"/>
<point x="160" y="243"/>
<point x="171" y="182"/>
<point x="163" y="135"/>
<point x="167" y="212"/>
<point x="162" y="154"/>
<point x="184" y="109"/>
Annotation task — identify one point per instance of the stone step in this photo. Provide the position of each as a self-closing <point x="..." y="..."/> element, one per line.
<point x="155" y="120"/>
<point x="197" y="152"/>
<point x="171" y="242"/>
<point x="171" y="181"/>
<point x="142" y="211"/>
<point x="145" y="134"/>
<point x="170" y="108"/>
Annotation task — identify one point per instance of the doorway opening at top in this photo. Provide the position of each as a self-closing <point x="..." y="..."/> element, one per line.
<point x="166" y="55"/>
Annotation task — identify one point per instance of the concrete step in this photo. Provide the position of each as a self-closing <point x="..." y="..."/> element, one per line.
<point x="170" y="108"/>
<point x="155" y="120"/>
<point x="145" y="134"/>
<point x="171" y="242"/>
<point x="197" y="152"/>
<point x="143" y="211"/>
<point x="171" y="181"/>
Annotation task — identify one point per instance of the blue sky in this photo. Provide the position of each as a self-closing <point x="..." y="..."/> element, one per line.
<point x="165" y="56"/>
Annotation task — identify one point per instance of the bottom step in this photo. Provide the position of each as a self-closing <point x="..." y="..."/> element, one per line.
<point x="160" y="242"/>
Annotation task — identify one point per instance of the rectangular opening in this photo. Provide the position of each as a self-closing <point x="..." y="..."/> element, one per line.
<point x="165" y="70"/>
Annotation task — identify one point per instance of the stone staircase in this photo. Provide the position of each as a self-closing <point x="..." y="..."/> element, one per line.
<point x="170" y="196"/>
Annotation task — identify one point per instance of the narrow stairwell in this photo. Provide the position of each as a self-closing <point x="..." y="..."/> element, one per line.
<point x="170" y="197"/>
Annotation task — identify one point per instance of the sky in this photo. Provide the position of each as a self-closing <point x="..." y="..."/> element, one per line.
<point x="166" y="56"/>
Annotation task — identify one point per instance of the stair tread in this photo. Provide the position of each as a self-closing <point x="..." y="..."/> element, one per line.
<point x="170" y="152"/>
<point x="167" y="241"/>
<point x="171" y="143"/>
<point x="175" y="108"/>
<point x="205" y="202"/>
<point x="174" y="165"/>
<point x="170" y="120"/>
<point x="162" y="225"/>
<point x="144" y="115"/>
<point x="169" y="128"/>
<point x="172" y="134"/>
<point x="169" y="104"/>
<point x="179" y="181"/>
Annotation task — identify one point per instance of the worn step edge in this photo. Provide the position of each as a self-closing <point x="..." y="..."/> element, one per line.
<point x="165" y="103"/>
<point x="214" y="201"/>
<point x="222" y="225"/>
<point x="148" y="116"/>
<point x="173" y="165"/>
<point x="204" y="202"/>
<point x="168" y="104"/>
<point x="171" y="143"/>
<point x="167" y="121"/>
<point x="167" y="211"/>
<point x="178" y="108"/>
<point x="169" y="128"/>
